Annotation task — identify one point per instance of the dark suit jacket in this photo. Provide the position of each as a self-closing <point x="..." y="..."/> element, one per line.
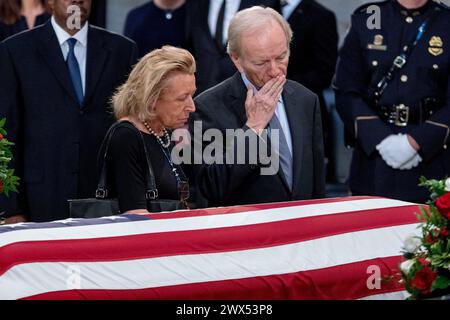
<point x="213" y="63"/>
<point x="148" y="26"/>
<point x="222" y="107"/>
<point x="56" y="140"/>
<point x="20" y="25"/>
<point x="313" y="48"/>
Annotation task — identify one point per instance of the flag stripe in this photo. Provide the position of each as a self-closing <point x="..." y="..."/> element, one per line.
<point x="395" y="295"/>
<point x="32" y="279"/>
<point x="201" y="241"/>
<point x="258" y="207"/>
<point x="198" y="222"/>
<point x="314" y="284"/>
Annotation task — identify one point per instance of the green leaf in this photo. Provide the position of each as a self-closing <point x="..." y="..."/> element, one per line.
<point x="440" y="258"/>
<point x="441" y="282"/>
<point x="436" y="187"/>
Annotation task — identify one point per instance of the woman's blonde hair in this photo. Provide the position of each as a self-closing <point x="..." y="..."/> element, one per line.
<point x="148" y="79"/>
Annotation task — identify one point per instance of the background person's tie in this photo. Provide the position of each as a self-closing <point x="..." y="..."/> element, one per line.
<point x="74" y="70"/>
<point x="285" y="154"/>
<point x="219" y="26"/>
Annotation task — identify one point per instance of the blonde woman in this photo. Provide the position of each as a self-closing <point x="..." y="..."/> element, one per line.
<point x="156" y="99"/>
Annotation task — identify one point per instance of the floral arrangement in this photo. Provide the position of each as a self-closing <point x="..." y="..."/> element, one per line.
<point x="8" y="181"/>
<point x="426" y="270"/>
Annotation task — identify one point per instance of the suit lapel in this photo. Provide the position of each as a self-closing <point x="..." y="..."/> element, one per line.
<point x="297" y="127"/>
<point x="50" y="51"/>
<point x="204" y="15"/>
<point x="97" y="55"/>
<point x="237" y="98"/>
<point x="204" y="12"/>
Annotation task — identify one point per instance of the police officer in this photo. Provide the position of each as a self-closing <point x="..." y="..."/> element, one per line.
<point x="393" y="93"/>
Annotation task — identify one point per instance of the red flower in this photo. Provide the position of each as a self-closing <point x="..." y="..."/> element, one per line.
<point x="429" y="240"/>
<point x="423" y="279"/>
<point x="1" y="136"/>
<point x="444" y="232"/>
<point x="423" y="261"/>
<point x="443" y="205"/>
<point x="1" y="186"/>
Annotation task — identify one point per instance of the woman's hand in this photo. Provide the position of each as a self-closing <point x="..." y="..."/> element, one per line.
<point x="138" y="211"/>
<point x="15" y="219"/>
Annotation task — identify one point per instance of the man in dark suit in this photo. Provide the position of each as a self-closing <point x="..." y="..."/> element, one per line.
<point x="206" y="37"/>
<point x="157" y="23"/>
<point x="314" y="45"/>
<point x="313" y="53"/>
<point x="257" y="98"/>
<point x="98" y="13"/>
<point x="55" y="85"/>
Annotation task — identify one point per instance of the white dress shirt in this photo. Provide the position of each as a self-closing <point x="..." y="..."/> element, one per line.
<point x="280" y="112"/>
<point x="231" y="9"/>
<point x="80" y="48"/>
<point x="289" y="7"/>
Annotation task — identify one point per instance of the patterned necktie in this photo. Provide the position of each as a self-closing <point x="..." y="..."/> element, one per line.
<point x="74" y="70"/>
<point x="286" y="161"/>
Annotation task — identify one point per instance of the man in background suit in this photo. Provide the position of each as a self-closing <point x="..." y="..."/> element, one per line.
<point x="313" y="53"/>
<point x="256" y="98"/>
<point x="55" y="85"/>
<point x="314" y="45"/>
<point x="155" y="24"/>
<point x="206" y="37"/>
<point x="98" y="13"/>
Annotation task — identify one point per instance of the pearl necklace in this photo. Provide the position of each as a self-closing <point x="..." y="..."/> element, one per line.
<point x="166" y="135"/>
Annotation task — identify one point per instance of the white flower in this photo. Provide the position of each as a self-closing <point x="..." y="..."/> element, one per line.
<point x="412" y="244"/>
<point x="447" y="185"/>
<point x="405" y="266"/>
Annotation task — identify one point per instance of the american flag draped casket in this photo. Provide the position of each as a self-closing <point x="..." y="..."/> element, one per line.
<point x="344" y="248"/>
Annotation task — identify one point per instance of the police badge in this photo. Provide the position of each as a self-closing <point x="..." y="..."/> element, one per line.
<point x="377" y="43"/>
<point x="436" y="46"/>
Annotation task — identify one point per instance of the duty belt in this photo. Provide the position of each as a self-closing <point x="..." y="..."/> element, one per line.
<point x="401" y="115"/>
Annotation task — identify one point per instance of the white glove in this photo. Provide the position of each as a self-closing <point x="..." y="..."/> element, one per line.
<point x="398" y="153"/>
<point x="414" y="162"/>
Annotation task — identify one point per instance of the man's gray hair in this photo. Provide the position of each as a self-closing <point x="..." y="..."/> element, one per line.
<point x="254" y="19"/>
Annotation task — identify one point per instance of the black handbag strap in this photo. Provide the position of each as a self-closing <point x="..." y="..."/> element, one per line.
<point x="401" y="59"/>
<point x="151" y="192"/>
